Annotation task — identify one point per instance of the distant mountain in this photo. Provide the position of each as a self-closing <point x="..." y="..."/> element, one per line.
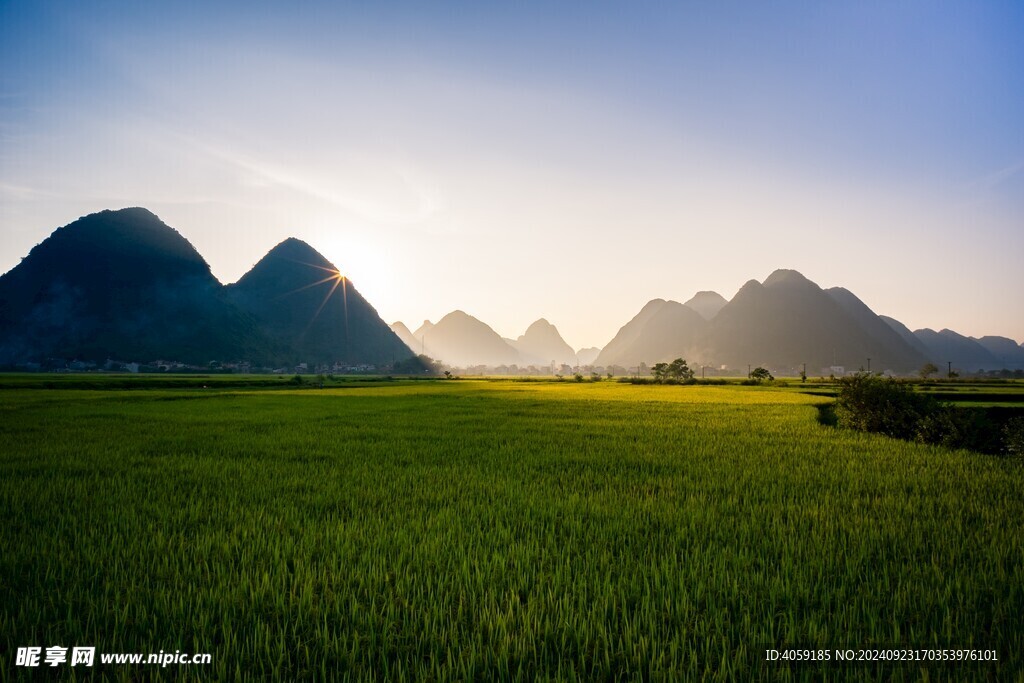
<point x="789" y="320"/>
<point x="461" y="340"/>
<point x="542" y="345"/>
<point x="399" y="328"/>
<point x="125" y="286"/>
<point x="905" y="334"/>
<point x="781" y="324"/>
<point x="893" y="350"/>
<point x="588" y="355"/>
<point x="708" y="304"/>
<point x="301" y="300"/>
<point x="423" y="329"/>
<point x="1008" y="353"/>
<point x="966" y="354"/>
<point x="670" y="330"/>
<point x="620" y="346"/>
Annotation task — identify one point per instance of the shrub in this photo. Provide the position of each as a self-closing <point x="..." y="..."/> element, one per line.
<point x="958" y="428"/>
<point x="884" y="405"/>
<point x="1013" y="437"/>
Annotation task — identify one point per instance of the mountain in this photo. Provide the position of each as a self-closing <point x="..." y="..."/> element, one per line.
<point x="708" y="304"/>
<point x="964" y="353"/>
<point x="788" y="321"/>
<point x="662" y="331"/>
<point x="121" y="285"/>
<point x="587" y="356"/>
<point x="894" y="350"/>
<point x="905" y="334"/>
<point x="461" y="340"/>
<point x="620" y="345"/>
<point x="542" y="345"/>
<point x="408" y="338"/>
<point x="302" y="301"/>
<point x="1007" y="352"/>
<point x="781" y="324"/>
<point x="426" y="327"/>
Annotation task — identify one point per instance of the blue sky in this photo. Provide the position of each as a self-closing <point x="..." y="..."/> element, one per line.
<point x="565" y="160"/>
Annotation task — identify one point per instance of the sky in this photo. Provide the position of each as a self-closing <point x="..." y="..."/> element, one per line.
<point x="522" y="160"/>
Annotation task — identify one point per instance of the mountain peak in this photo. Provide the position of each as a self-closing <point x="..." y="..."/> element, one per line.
<point x="460" y="339"/>
<point x="784" y="276"/>
<point x="538" y="326"/>
<point x="706" y="303"/>
<point x="131" y="212"/>
<point x="294" y="249"/>
<point x="542" y="344"/>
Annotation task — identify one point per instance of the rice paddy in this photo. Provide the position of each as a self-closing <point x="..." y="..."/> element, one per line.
<point x="483" y="530"/>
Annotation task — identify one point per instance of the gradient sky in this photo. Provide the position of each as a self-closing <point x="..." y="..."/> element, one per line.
<point x="564" y="160"/>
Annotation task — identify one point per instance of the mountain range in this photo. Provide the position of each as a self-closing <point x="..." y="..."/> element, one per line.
<point x="787" y="323"/>
<point x="124" y="285"/>
<point x="460" y="340"/>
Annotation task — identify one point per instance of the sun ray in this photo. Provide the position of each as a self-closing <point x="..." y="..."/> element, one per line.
<point x="337" y="281"/>
<point x="331" y="278"/>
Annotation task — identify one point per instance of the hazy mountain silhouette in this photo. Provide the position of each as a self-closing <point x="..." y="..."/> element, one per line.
<point x="587" y="355"/>
<point x="708" y="304"/>
<point x="300" y="299"/>
<point x="893" y="349"/>
<point x="965" y="353"/>
<point x="1007" y="352"/>
<point x="905" y="334"/>
<point x="423" y="329"/>
<point x="789" y="320"/>
<point x="399" y="328"/>
<point x="620" y="347"/>
<point x="542" y="345"/>
<point x="121" y="285"/>
<point x="461" y="340"/>
<point x="662" y="331"/>
<point x="784" y="322"/>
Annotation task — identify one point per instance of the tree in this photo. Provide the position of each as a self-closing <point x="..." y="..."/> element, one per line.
<point x="660" y="372"/>
<point x="679" y="370"/>
<point x="760" y="374"/>
<point x="928" y="369"/>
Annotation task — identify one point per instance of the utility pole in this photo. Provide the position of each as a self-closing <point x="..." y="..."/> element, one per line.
<point x="748" y="370"/>
<point x="949" y="369"/>
<point x="702" y="371"/>
<point x="869" y="363"/>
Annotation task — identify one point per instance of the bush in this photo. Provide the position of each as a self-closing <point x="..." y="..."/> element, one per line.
<point x="883" y="405"/>
<point x="958" y="428"/>
<point x="1013" y="437"/>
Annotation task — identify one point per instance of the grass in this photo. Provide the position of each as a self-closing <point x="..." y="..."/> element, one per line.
<point x="479" y="530"/>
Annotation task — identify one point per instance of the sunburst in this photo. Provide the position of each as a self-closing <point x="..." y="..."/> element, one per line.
<point x="335" y="278"/>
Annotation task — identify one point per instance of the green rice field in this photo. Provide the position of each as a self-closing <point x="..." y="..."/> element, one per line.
<point x="481" y="530"/>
